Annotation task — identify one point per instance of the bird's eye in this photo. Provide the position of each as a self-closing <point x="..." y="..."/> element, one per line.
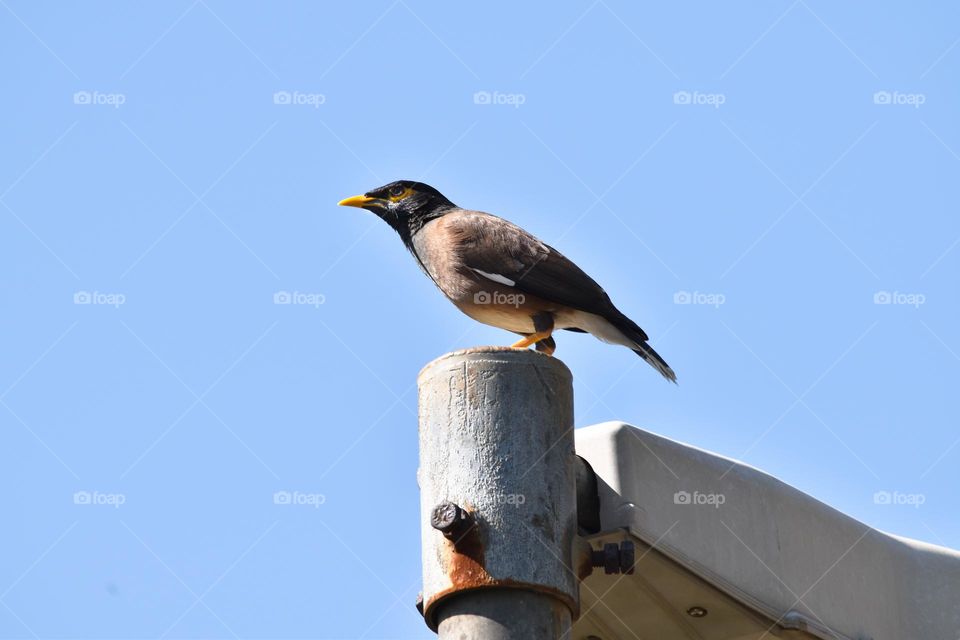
<point x="398" y="192"/>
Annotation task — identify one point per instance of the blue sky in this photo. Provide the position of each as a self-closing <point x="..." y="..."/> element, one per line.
<point x="787" y="169"/>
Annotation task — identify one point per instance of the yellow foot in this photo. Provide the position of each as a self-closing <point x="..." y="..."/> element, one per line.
<point x="531" y="339"/>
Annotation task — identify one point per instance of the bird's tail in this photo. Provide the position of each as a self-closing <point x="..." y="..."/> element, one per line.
<point x="653" y="358"/>
<point x="639" y="345"/>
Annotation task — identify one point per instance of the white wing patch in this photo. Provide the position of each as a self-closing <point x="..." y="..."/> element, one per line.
<point x="496" y="277"/>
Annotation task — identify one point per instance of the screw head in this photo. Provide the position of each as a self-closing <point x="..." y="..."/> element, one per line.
<point x="445" y="516"/>
<point x="696" y="612"/>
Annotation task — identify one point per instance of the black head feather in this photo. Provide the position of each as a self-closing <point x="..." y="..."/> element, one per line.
<point x="407" y="205"/>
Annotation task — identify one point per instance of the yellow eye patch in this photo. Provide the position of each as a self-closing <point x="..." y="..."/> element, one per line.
<point x="397" y="198"/>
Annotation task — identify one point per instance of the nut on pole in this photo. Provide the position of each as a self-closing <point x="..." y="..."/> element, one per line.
<point x="615" y="558"/>
<point x="450" y="520"/>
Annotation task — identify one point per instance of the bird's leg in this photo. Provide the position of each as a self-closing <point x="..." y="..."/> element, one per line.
<point x="530" y="339"/>
<point x="546" y="346"/>
<point x="543" y="328"/>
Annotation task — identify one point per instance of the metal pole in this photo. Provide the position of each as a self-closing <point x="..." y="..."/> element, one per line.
<point x="498" y="501"/>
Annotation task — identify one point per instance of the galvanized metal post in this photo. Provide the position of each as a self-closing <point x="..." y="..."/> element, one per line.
<point x="498" y="501"/>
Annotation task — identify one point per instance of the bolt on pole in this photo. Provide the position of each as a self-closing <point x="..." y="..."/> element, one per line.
<point x="501" y="557"/>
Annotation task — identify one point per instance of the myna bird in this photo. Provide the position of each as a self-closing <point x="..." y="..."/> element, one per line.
<point x="498" y="274"/>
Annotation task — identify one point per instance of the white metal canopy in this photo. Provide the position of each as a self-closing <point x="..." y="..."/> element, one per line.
<point x="729" y="552"/>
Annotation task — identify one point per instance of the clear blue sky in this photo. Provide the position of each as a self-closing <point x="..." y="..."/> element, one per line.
<point x="737" y="152"/>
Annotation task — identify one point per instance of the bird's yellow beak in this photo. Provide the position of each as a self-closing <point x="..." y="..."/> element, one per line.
<point x="356" y="201"/>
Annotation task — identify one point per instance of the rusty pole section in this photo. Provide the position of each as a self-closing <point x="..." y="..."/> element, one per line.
<point x="498" y="500"/>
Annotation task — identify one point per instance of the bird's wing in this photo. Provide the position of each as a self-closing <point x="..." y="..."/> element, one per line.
<point x="503" y="252"/>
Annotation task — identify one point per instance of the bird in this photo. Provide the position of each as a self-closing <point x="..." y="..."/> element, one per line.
<point x="499" y="274"/>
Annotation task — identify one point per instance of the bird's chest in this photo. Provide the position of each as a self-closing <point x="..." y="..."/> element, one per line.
<point x="436" y="252"/>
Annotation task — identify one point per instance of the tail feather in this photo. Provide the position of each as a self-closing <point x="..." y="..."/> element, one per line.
<point x="639" y="338"/>
<point x="653" y="358"/>
<point x="616" y="328"/>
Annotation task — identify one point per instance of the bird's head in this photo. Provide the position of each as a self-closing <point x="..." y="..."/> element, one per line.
<point x="405" y="205"/>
